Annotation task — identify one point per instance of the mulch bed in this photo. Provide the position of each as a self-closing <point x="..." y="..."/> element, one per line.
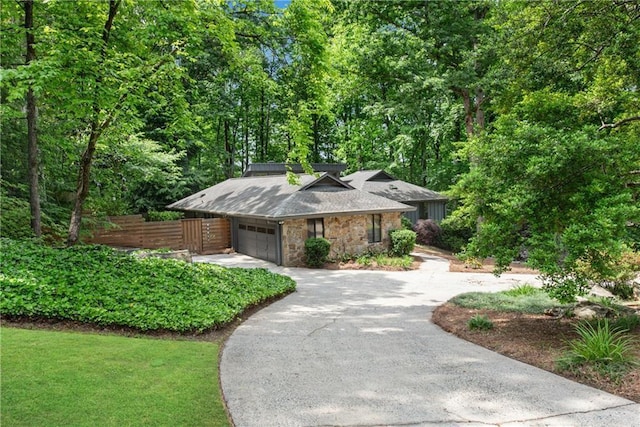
<point x="537" y="340"/>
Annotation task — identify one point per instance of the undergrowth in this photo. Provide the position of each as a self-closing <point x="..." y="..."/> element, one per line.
<point x="99" y="285"/>
<point x="607" y="349"/>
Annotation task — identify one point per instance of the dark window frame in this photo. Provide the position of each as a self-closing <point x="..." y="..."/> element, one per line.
<point x="315" y="227"/>
<point x="374" y="228"/>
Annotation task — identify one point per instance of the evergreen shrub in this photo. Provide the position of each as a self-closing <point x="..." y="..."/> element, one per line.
<point x="402" y="242"/>
<point x="454" y="237"/>
<point x="406" y="223"/>
<point x="316" y="251"/>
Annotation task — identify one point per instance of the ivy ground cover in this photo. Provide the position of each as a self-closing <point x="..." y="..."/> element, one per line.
<point x="103" y="286"/>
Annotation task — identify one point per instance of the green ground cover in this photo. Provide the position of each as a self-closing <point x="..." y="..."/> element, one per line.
<point x="79" y="379"/>
<point x="525" y="299"/>
<point x="99" y="285"/>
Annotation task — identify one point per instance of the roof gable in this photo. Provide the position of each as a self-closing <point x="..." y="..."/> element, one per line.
<point x="325" y="180"/>
<point x="273" y="197"/>
<point x="381" y="176"/>
<point x="383" y="184"/>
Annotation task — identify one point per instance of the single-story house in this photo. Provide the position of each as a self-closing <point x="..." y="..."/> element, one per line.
<point x="428" y="203"/>
<point x="271" y="218"/>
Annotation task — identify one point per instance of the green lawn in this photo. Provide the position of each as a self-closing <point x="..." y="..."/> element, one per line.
<point x="80" y="379"/>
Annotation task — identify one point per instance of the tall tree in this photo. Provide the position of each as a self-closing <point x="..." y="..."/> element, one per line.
<point x="97" y="125"/>
<point x="550" y="179"/>
<point x="32" y="136"/>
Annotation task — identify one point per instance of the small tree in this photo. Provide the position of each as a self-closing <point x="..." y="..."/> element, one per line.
<point x="316" y="251"/>
<point x="428" y="232"/>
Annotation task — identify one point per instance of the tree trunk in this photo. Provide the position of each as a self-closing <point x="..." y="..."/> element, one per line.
<point x="267" y="134"/>
<point x="228" y="148"/>
<point x="32" y="136"/>
<point x="479" y="111"/>
<point x="82" y="190"/>
<point x="468" y="111"/>
<point x="245" y="162"/>
<point x="316" y="138"/>
<point x="84" y="173"/>
<point x="261" y="151"/>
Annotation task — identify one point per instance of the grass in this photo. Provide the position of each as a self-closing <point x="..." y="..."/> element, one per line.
<point x="77" y="379"/>
<point x="479" y="322"/>
<point x="601" y="346"/>
<point x="525" y="300"/>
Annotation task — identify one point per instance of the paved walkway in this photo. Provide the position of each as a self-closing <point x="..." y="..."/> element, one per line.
<point x="357" y="348"/>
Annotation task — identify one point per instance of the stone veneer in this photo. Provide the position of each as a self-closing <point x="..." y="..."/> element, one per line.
<point x="347" y="234"/>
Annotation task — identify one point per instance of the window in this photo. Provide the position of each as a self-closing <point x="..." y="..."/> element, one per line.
<point x="374" y="229"/>
<point x="315" y="227"/>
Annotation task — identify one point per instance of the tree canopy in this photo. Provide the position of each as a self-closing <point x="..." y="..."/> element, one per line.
<point x="526" y="113"/>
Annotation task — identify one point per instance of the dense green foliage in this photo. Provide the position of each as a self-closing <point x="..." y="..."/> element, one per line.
<point x="552" y="178"/>
<point x="402" y="242"/>
<point x="164" y="216"/>
<point x="59" y="378"/>
<point x="526" y="113"/>
<point x="99" y="285"/>
<point x="316" y="251"/>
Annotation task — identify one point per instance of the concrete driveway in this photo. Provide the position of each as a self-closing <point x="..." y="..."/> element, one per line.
<point x="357" y="348"/>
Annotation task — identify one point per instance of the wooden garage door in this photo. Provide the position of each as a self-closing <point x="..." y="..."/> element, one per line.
<point x="257" y="239"/>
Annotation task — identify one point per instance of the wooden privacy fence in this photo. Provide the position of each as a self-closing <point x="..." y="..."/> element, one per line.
<point x="199" y="235"/>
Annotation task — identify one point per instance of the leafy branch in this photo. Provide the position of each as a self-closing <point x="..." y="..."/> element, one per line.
<point x="619" y="123"/>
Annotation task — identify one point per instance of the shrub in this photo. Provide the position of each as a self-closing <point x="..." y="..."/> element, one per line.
<point x="618" y="275"/>
<point x="478" y="322"/>
<point x="599" y="345"/>
<point x="15" y="222"/>
<point x="428" y="232"/>
<point x="316" y="251"/>
<point x="402" y="242"/>
<point x="406" y="223"/>
<point x="454" y="236"/>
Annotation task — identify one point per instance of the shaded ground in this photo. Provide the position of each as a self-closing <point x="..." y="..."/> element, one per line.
<point x="457" y="266"/>
<point x="537" y="340"/>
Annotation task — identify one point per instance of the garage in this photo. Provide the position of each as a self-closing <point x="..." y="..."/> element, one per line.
<point x="257" y="238"/>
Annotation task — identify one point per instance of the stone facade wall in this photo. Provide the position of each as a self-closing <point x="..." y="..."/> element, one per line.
<point x="347" y="234"/>
<point x="294" y="233"/>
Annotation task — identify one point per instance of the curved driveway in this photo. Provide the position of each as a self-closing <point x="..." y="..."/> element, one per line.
<point x="357" y="348"/>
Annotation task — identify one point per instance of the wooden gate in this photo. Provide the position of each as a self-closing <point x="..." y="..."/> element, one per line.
<point x="192" y="234"/>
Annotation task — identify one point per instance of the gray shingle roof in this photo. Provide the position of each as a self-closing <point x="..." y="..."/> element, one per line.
<point x="262" y="169"/>
<point x="272" y="197"/>
<point x="380" y="183"/>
